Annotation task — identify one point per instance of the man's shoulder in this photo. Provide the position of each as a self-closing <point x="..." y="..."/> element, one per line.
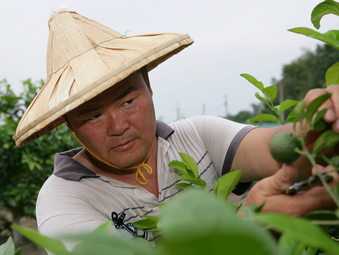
<point x="205" y="123"/>
<point x="68" y="168"/>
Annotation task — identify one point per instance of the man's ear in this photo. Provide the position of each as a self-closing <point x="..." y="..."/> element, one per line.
<point x="145" y="76"/>
<point x="68" y="123"/>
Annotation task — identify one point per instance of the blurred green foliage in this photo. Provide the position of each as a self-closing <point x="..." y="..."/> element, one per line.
<point x="23" y="170"/>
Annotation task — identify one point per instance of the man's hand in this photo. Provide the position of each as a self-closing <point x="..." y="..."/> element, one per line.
<point x="271" y="190"/>
<point x="332" y="114"/>
<point x="255" y="145"/>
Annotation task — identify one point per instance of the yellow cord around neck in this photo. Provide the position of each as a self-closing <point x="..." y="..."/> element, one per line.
<point x="138" y="167"/>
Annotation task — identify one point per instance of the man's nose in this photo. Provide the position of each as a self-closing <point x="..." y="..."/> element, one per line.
<point x="117" y="124"/>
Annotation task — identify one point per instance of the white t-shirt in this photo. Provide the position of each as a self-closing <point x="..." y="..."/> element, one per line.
<point x="75" y="199"/>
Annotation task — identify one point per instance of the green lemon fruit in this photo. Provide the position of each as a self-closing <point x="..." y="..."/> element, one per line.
<point x="282" y="147"/>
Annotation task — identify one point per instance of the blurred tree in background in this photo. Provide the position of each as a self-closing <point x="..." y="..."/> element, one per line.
<point x="23" y="170"/>
<point x="308" y="71"/>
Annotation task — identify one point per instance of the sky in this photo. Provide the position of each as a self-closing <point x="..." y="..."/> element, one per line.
<point x="231" y="37"/>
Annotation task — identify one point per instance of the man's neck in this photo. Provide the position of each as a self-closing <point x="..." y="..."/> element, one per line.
<point x="124" y="175"/>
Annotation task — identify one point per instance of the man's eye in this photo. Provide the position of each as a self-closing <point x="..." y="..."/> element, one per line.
<point x="95" y="116"/>
<point x="128" y="102"/>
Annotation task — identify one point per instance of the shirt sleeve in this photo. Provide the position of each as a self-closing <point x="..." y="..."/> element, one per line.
<point x="222" y="138"/>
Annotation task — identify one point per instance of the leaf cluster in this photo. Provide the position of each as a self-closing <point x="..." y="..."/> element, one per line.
<point x="189" y="228"/>
<point x="188" y="172"/>
<point x="269" y="94"/>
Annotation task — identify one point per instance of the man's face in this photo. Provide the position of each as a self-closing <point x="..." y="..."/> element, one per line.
<point x="119" y="125"/>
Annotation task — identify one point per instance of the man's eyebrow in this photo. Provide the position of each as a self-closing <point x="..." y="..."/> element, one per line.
<point x="122" y="95"/>
<point x="125" y="92"/>
<point x="89" y="110"/>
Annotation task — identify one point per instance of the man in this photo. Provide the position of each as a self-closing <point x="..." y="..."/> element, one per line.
<point x="98" y="85"/>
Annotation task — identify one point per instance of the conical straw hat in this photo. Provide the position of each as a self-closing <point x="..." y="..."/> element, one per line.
<point x="85" y="58"/>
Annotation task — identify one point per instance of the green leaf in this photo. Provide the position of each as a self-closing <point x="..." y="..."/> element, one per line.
<point x="312" y="250"/>
<point x="17" y="252"/>
<point x="332" y="75"/>
<point x="319" y="115"/>
<point x="249" y="210"/>
<point x="103" y="244"/>
<point x="190" y="163"/>
<point x="213" y="228"/>
<point x="8" y="247"/>
<point x="53" y="245"/>
<point x="264" y="117"/>
<point x="301" y="229"/>
<point x="227" y="183"/>
<point x="270" y="92"/>
<point x="319" y="123"/>
<point x="290" y="245"/>
<point x="288" y="103"/>
<point x="141" y="241"/>
<point x="299" y="111"/>
<point x="259" y="208"/>
<point x="184" y="185"/>
<point x="154" y="218"/>
<point x="253" y="80"/>
<point x="277" y="109"/>
<point x="161" y="205"/>
<point x="145" y="224"/>
<point x="322" y="215"/>
<point x="104" y="228"/>
<point x="336" y="193"/>
<point x="262" y="99"/>
<point x="335" y="161"/>
<point x="184" y="177"/>
<point x="303" y="31"/>
<point x="215" y="186"/>
<point x="331" y="37"/>
<point x="198" y="182"/>
<point x="322" y="9"/>
<point x="314" y="105"/>
<point x="326" y="140"/>
<point x="178" y="165"/>
<point x="291" y="117"/>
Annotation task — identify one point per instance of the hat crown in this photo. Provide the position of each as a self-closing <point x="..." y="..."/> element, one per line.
<point x="72" y="35"/>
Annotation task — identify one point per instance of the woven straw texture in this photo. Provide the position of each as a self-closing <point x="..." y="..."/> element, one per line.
<point x="85" y="58"/>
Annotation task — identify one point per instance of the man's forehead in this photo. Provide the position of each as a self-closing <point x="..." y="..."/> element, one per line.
<point x="116" y="92"/>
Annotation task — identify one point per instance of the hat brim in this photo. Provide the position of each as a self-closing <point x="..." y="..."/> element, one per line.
<point x="32" y="125"/>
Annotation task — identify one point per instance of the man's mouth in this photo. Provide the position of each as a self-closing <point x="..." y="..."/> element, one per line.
<point x="124" y="145"/>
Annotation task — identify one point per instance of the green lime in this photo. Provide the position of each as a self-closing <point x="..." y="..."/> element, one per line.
<point x="282" y="147"/>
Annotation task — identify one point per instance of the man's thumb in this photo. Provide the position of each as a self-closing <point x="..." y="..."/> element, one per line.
<point x="280" y="181"/>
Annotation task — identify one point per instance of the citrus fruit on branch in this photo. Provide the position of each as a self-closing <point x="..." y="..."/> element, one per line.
<point x="282" y="147"/>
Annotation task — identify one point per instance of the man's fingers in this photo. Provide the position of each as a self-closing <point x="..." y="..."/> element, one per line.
<point x="273" y="186"/>
<point x="334" y="89"/>
<point x="279" y="182"/>
<point x="330" y="171"/>
<point x="332" y="104"/>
